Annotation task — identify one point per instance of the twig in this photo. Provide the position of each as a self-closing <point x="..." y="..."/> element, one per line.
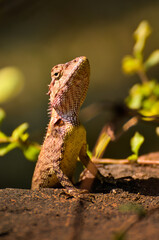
<point x="143" y="76"/>
<point x="130" y="123"/>
<point x="151" y="158"/>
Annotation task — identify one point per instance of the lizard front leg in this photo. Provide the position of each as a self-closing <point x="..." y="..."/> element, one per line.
<point x="85" y="159"/>
<point x="65" y="181"/>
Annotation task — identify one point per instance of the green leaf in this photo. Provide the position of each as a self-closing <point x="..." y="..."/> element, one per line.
<point x="157" y="131"/>
<point x="103" y="141"/>
<point x="152" y="60"/>
<point x="135" y="208"/>
<point x="134" y="100"/>
<point x="148" y="103"/>
<point x="131" y="65"/>
<point x="2" y="115"/>
<point x="5" y="148"/>
<point x="121" y="235"/>
<point x="143" y="96"/>
<point x="141" y="34"/>
<point x="147" y="88"/>
<point x="11" y="83"/>
<point x="31" y="152"/>
<point x="136" y="142"/>
<point x="155" y="108"/>
<point x="151" y="109"/>
<point x="156" y="89"/>
<point x="133" y="158"/>
<point x="3" y="137"/>
<point x="24" y="137"/>
<point x="18" y="132"/>
<point x="89" y="153"/>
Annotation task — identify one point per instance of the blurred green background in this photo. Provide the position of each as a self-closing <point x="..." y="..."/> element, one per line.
<point x="36" y="35"/>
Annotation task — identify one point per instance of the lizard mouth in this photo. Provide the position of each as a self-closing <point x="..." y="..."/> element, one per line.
<point x="80" y="62"/>
<point x="80" y="71"/>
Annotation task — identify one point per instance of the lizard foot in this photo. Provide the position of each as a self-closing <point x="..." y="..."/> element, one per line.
<point x="81" y="194"/>
<point x="109" y="179"/>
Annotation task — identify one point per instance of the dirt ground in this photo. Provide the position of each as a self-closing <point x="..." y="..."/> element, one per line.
<point x="49" y="214"/>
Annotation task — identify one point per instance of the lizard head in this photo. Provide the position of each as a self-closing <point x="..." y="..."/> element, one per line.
<point x="69" y="86"/>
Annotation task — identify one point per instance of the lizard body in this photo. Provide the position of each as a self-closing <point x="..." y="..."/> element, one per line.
<point x="65" y="140"/>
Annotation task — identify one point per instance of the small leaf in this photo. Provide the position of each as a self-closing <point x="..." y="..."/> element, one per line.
<point x="11" y="83"/>
<point x="135" y="208"/>
<point x="156" y="89"/>
<point x="2" y="115"/>
<point x="147" y="115"/>
<point x="18" y="132"/>
<point x="3" y="137"/>
<point x="133" y="158"/>
<point x="131" y="65"/>
<point x="153" y="110"/>
<point x="5" y="148"/>
<point x="102" y="142"/>
<point x="136" y="142"/>
<point x="141" y="34"/>
<point x="147" y="88"/>
<point x="31" y="152"/>
<point x="134" y="100"/>
<point x="141" y="96"/>
<point x="120" y="235"/>
<point x="152" y="60"/>
<point x="89" y="153"/>
<point x="157" y="131"/>
<point x="24" y="137"/>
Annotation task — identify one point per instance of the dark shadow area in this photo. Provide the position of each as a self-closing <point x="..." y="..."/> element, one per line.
<point x="147" y="187"/>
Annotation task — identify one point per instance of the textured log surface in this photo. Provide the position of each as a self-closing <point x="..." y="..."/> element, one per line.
<point x="48" y="214"/>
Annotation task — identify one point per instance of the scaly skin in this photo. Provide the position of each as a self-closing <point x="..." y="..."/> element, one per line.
<point x="65" y="140"/>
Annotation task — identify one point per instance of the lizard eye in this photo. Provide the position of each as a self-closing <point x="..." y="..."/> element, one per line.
<point x="57" y="75"/>
<point x="56" y="72"/>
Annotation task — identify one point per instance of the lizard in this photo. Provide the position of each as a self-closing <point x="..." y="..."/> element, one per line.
<point x="65" y="139"/>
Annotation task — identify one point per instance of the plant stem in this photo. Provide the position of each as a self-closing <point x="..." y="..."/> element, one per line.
<point x="143" y="76"/>
<point x="151" y="158"/>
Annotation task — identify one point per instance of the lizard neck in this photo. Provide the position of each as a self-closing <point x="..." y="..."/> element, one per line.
<point x="70" y="118"/>
<point x="61" y="120"/>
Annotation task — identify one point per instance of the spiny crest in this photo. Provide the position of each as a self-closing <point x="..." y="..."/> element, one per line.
<point x="49" y="110"/>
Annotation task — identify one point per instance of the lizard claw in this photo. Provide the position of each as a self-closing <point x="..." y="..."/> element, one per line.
<point x="81" y="194"/>
<point x="109" y="179"/>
